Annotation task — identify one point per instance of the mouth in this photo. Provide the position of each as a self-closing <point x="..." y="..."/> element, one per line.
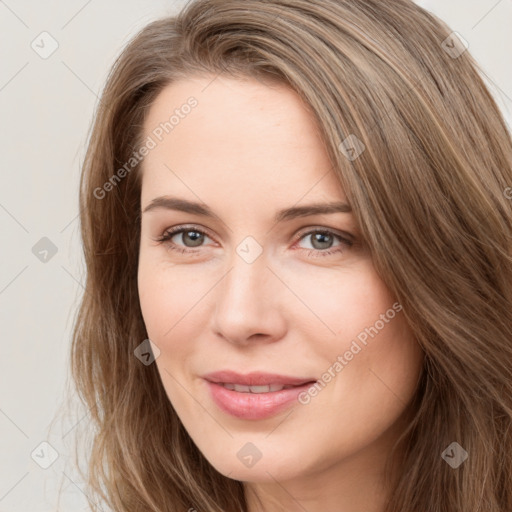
<point x="254" y="396"/>
<point x="254" y="389"/>
<point x="256" y="380"/>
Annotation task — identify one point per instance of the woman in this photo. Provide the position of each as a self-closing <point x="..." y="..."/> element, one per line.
<point x="298" y="248"/>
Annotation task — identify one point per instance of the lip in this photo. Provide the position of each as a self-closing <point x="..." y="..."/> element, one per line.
<point x="254" y="406"/>
<point x="255" y="378"/>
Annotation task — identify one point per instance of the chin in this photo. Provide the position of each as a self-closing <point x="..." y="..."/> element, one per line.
<point x="245" y="462"/>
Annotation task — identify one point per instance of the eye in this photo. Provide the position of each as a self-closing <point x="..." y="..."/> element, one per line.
<point x="323" y="240"/>
<point x="191" y="237"/>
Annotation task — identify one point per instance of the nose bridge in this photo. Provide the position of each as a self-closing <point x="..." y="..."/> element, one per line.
<point x="247" y="300"/>
<point x="243" y="287"/>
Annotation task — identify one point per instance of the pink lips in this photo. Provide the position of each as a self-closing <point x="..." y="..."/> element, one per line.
<point x="254" y="406"/>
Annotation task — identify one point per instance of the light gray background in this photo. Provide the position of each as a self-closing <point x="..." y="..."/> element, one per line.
<point x="46" y="109"/>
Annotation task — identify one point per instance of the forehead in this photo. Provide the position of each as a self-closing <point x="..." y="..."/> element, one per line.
<point x="240" y="133"/>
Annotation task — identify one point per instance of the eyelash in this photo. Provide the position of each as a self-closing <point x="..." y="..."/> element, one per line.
<point x="166" y="237"/>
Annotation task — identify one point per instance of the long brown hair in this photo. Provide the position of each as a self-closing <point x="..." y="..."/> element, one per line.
<point x="427" y="190"/>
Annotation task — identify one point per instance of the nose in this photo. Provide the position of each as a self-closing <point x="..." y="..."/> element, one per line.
<point x="248" y="304"/>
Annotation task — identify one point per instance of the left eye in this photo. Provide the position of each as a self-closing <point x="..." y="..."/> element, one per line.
<point x="320" y="240"/>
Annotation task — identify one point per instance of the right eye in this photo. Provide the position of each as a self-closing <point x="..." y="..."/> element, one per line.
<point x="190" y="234"/>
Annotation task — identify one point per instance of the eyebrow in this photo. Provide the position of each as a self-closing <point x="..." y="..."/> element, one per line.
<point x="184" y="205"/>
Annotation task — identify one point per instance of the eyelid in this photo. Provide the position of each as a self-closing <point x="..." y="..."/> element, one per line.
<point x="186" y="227"/>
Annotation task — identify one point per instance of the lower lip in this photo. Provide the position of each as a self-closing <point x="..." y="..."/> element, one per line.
<point x="254" y="406"/>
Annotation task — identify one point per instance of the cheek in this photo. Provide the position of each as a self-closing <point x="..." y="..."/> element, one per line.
<point x="380" y="368"/>
<point x="169" y="300"/>
<point x="156" y="304"/>
<point x="371" y="359"/>
<point x="338" y="304"/>
<point x="169" y="297"/>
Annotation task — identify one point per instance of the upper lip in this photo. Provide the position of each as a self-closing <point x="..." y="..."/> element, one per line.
<point x="255" y="378"/>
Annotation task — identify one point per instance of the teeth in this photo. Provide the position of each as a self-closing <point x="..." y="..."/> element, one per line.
<point x="255" y="389"/>
<point x="241" y="388"/>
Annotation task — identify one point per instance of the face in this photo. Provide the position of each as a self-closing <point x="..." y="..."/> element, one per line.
<point x="242" y="284"/>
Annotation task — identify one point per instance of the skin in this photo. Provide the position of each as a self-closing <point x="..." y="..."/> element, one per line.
<point x="248" y="150"/>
